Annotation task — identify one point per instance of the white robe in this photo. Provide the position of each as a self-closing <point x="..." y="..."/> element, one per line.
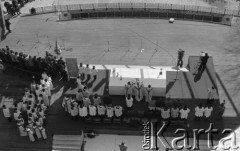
<point x="109" y="112"/>
<point x="199" y="111"/>
<point x="43" y="132"/>
<point x="128" y="90"/>
<point x="83" y="111"/>
<point x="92" y="110"/>
<point x="6" y="112"/>
<point x="118" y="111"/>
<point x="69" y="106"/>
<point x="37" y="132"/>
<point x="148" y="94"/>
<point x="129" y="102"/>
<point x="30" y="135"/>
<point x="165" y="114"/>
<point x="208" y="111"/>
<point x="101" y="110"/>
<point x="138" y="90"/>
<point x="184" y="113"/>
<point x="22" y="131"/>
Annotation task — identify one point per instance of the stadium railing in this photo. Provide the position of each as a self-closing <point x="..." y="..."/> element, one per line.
<point x="142" y="6"/>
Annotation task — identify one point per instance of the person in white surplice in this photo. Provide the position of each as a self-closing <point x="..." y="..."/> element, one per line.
<point x="109" y="112"/>
<point x="138" y="89"/>
<point x="128" y="89"/>
<point x="148" y="93"/>
<point x="118" y="111"/>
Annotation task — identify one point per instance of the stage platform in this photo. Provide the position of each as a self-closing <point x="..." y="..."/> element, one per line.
<point x="94" y="86"/>
<point x="189" y="85"/>
<point x="111" y="80"/>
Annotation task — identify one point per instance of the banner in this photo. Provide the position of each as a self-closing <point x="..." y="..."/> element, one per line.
<point x="72" y="67"/>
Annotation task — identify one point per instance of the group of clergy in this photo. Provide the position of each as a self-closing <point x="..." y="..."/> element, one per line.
<point x="92" y="108"/>
<point x="85" y="72"/>
<point x="30" y="113"/>
<point x="138" y="90"/>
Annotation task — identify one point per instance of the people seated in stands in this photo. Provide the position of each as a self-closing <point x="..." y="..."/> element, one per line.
<point x="83" y="112"/>
<point x="199" y="111"/>
<point x="92" y="110"/>
<point x="165" y="113"/>
<point x="184" y="112"/>
<point x="208" y="111"/>
<point x="174" y="112"/>
<point x="101" y="109"/>
<point x="128" y="89"/>
<point x="109" y="111"/>
<point x="16" y="114"/>
<point x="148" y="93"/>
<point x="96" y="99"/>
<point x="152" y="105"/>
<point x="138" y="91"/>
<point x="129" y="101"/>
<point x="118" y="111"/>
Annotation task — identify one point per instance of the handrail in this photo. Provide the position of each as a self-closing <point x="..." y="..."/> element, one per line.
<point x="144" y="6"/>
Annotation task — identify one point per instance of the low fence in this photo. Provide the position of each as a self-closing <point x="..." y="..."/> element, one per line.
<point x="143" y="6"/>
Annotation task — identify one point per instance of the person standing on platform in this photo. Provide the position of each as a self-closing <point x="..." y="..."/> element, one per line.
<point x="203" y="63"/>
<point x="138" y="88"/>
<point x="199" y="111"/>
<point x="86" y="101"/>
<point x="221" y="109"/>
<point x="211" y="95"/>
<point x="165" y="113"/>
<point x="6" y="113"/>
<point x="79" y="96"/>
<point x="7" y="23"/>
<point x="81" y="71"/>
<point x="129" y="101"/>
<point x="43" y="132"/>
<point x="101" y="109"/>
<point x="83" y="112"/>
<point x="109" y="111"/>
<point x="123" y="147"/>
<point x="92" y="110"/>
<point x="180" y="57"/>
<point x="174" y="112"/>
<point x="79" y="82"/>
<point x="184" y="112"/>
<point x="30" y="134"/>
<point x="22" y="130"/>
<point x="118" y="111"/>
<point x="128" y="89"/>
<point x="208" y="111"/>
<point x="93" y="73"/>
<point x="96" y="100"/>
<point x="148" y="93"/>
<point x="37" y="131"/>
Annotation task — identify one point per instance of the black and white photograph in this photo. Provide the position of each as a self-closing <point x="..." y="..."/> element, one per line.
<point x="119" y="75"/>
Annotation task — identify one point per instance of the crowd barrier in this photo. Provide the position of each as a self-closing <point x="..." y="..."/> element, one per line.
<point x="147" y="10"/>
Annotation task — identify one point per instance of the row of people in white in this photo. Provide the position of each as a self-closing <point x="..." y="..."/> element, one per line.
<point x="39" y="131"/>
<point x="201" y="111"/>
<point x="139" y="91"/>
<point x="87" y="71"/>
<point x="84" y="110"/>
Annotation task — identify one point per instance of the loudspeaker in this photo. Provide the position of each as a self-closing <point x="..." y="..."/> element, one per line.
<point x="171" y="20"/>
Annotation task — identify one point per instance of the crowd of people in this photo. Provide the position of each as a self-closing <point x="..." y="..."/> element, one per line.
<point x="50" y="64"/>
<point x="30" y="112"/>
<point x="13" y="6"/>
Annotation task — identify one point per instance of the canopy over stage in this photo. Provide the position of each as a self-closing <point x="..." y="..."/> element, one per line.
<point x="190" y="86"/>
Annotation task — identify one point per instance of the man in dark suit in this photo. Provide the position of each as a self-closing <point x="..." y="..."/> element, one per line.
<point x="203" y="63"/>
<point x="180" y="57"/>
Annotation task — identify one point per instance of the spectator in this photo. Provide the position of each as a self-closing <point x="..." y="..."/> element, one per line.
<point x="7" y="23"/>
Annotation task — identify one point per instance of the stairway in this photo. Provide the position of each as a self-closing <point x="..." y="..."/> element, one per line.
<point x="67" y="143"/>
